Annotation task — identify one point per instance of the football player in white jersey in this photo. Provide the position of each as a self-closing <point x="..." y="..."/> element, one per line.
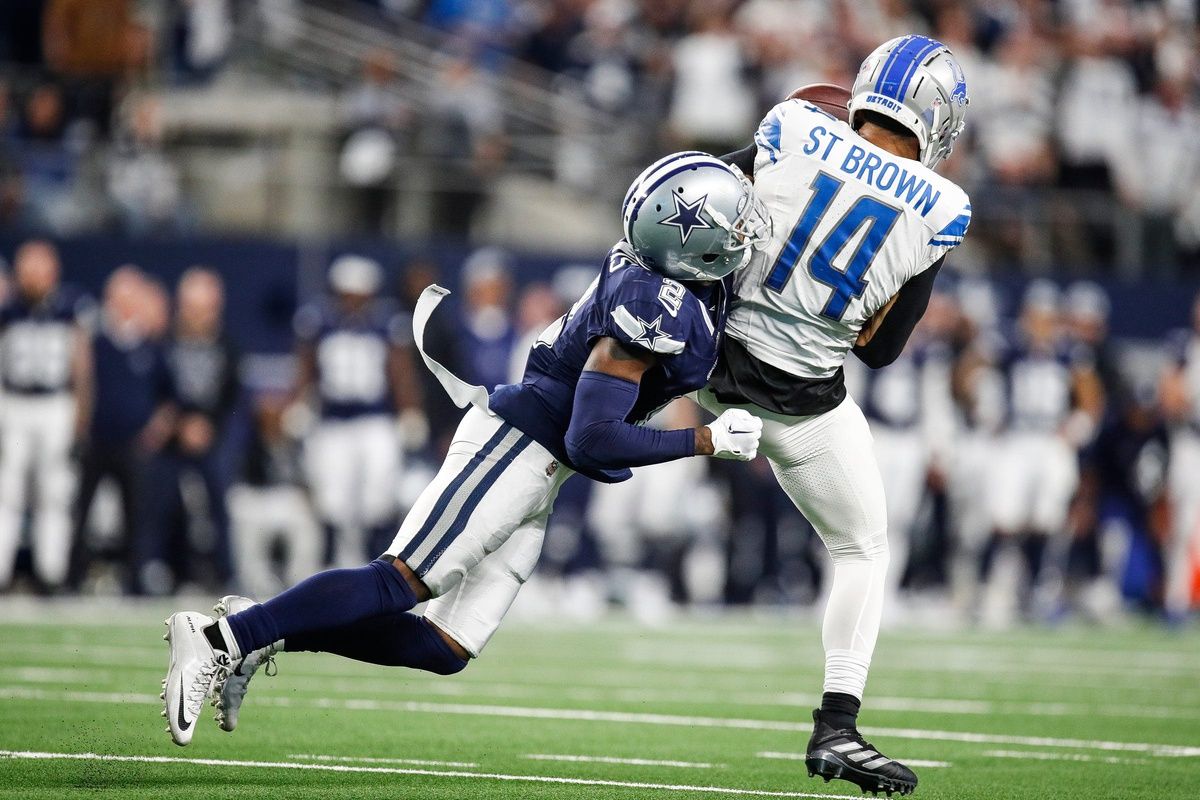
<point x="46" y="372"/>
<point x="861" y="224"/>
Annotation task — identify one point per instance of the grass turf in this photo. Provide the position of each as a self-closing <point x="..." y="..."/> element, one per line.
<point x="1063" y="714"/>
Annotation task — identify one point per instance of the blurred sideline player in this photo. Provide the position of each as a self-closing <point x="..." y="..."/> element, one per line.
<point x="637" y="338"/>
<point x="1181" y="400"/>
<point x="861" y="224"/>
<point x="270" y="506"/>
<point x="354" y="357"/>
<point x="1053" y="405"/>
<point x="968" y="457"/>
<point x="47" y="372"/>
<point x="643" y="533"/>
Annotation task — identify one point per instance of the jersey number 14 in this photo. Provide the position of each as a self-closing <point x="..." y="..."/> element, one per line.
<point x="846" y="284"/>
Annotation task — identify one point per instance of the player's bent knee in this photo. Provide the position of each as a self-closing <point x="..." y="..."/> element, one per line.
<point x="454" y="659"/>
<point x="873" y="547"/>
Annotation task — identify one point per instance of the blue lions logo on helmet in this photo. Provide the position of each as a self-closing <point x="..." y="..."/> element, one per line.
<point x="959" y="94"/>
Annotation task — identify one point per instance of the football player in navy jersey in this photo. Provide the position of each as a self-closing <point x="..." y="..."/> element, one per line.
<point x="46" y="370"/>
<point x="1053" y="408"/>
<point x="354" y="357"/>
<point x="646" y="331"/>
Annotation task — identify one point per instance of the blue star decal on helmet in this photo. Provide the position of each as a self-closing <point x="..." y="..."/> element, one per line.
<point x="687" y="217"/>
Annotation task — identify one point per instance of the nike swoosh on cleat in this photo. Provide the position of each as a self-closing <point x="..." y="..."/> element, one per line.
<point x="183" y="723"/>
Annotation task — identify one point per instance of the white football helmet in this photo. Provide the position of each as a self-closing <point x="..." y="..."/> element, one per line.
<point x="918" y="82"/>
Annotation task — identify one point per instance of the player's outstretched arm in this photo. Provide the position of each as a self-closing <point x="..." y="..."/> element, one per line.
<point x="600" y="438"/>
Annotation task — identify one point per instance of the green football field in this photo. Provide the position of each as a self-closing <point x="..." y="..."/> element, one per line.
<point x="706" y="708"/>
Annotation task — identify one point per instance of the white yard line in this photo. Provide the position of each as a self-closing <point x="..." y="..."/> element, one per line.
<point x="912" y="762"/>
<point x="574" y="679"/>
<point x="412" y="762"/>
<point x="622" y="717"/>
<point x="507" y="690"/>
<point x="495" y="776"/>
<point x="633" y="762"/>
<point x="1036" y="756"/>
<point x="758" y="663"/>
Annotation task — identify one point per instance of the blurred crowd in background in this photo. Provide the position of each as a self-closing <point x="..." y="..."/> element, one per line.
<point x="1034" y="469"/>
<point x="1093" y="99"/>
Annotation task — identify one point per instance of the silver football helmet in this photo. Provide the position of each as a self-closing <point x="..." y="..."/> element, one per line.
<point x="918" y="82"/>
<point x="693" y="217"/>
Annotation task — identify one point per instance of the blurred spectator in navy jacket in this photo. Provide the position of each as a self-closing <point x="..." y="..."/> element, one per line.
<point x="202" y="366"/>
<point x="132" y="417"/>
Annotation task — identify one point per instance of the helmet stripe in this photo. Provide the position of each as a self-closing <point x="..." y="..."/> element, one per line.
<point x="917" y="61"/>
<point x="902" y="65"/>
<point x="648" y="190"/>
<point x="890" y="62"/>
<point x="657" y="165"/>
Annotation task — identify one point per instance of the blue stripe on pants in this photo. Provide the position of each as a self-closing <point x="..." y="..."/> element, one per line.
<point x="473" y="500"/>
<point x="448" y="493"/>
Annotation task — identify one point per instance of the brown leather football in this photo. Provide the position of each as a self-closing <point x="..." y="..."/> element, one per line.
<point x="828" y="97"/>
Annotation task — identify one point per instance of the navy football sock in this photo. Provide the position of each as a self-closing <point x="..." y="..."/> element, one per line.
<point x="394" y="640"/>
<point x="326" y="600"/>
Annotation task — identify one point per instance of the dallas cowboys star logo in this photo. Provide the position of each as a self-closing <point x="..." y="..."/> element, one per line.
<point x="687" y="217"/>
<point x="651" y="332"/>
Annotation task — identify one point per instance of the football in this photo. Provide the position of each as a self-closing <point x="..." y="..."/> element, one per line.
<point x="828" y="97"/>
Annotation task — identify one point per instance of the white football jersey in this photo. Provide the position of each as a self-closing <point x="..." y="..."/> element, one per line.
<point x="851" y="224"/>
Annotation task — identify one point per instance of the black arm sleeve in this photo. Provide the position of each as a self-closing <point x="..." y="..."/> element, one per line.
<point x="742" y="159"/>
<point x="888" y="342"/>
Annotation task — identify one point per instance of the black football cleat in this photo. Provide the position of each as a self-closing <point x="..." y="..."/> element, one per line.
<point x="844" y="754"/>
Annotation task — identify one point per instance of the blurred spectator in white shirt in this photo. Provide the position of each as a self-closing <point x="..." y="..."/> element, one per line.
<point x="710" y="73"/>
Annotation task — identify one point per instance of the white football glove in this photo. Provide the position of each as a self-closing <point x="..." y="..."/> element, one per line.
<point x="735" y="435"/>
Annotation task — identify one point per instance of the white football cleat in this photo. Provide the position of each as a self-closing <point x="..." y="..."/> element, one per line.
<point x="229" y="699"/>
<point x="196" y="670"/>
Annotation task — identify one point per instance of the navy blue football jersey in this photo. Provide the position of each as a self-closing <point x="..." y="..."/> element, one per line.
<point x="1039" y="385"/>
<point x="35" y="341"/>
<point x="352" y="355"/>
<point x="643" y="310"/>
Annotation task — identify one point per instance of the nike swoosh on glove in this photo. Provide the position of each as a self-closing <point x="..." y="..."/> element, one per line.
<point x="735" y="435"/>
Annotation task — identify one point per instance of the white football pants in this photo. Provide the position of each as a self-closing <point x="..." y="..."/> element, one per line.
<point x="353" y="466"/>
<point x="1035" y="477"/>
<point x="261" y="515"/>
<point x="826" y="464"/>
<point x="475" y="533"/>
<point x="37" y="432"/>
